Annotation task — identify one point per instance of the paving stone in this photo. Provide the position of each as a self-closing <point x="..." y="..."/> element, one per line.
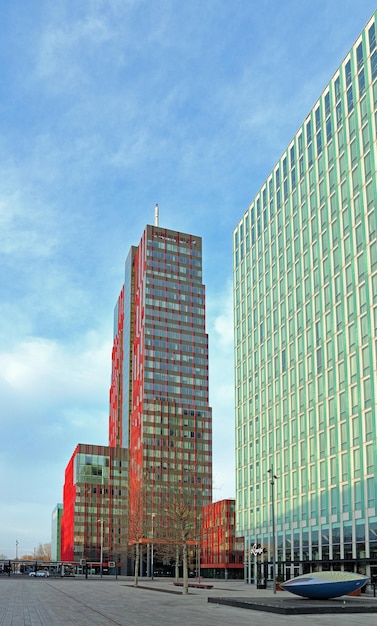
<point x="31" y="601"/>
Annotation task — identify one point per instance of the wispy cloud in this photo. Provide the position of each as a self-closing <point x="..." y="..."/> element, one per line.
<point x="107" y="107"/>
<point x="53" y="396"/>
<point x="41" y="373"/>
<point x="220" y="327"/>
<point x="22" y="230"/>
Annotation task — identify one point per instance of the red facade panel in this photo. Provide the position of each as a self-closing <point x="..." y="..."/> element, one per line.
<point x="95" y="504"/>
<point x="219" y="546"/>
<point x="68" y="516"/>
<point x="116" y="389"/>
<point x="170" y="422"/>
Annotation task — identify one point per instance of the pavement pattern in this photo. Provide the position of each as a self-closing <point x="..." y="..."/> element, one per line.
<point x="28" y="601"/>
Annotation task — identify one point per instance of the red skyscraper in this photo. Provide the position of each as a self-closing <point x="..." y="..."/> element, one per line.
<point x="159" y="392"/>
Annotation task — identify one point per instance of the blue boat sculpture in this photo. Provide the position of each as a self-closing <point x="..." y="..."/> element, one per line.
<point x="325" y="585"/>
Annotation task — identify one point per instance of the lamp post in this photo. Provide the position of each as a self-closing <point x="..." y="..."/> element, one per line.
<point x="198" y="547"/>
<point x="152" y="550"/>
<point x="101" y="548"/>
<point x="273" y="477"/>
<point x="16" y="549"/>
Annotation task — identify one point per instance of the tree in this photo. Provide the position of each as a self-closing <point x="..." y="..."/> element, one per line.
<point x="181" y="515"/>
<point x="43" y="552"/>
<point x="136" y="528"/>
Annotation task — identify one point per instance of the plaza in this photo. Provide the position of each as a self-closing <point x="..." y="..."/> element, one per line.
<point x="31" y="601"/>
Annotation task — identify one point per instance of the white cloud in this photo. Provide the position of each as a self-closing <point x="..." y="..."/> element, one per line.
<point x="110" y="106"/>
<point x="47" y="382"/>
<point x="221" y="376"/>
<point x="35" y="361"/>
<point x="54" y="395"/>
<point x="63" y="46"/>
<point x="26" y="223"/>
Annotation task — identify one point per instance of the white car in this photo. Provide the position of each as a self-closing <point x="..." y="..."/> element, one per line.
<point x="42" y="573"/>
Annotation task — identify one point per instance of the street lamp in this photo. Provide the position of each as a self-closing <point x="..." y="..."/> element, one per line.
<point x="101" y="548"/>
<point x="273" y="477"/>
<point x="153" y="516"/>
<point x="198" y="548"/>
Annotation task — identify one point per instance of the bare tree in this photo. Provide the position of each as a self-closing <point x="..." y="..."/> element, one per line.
<point x="176" y="563"/>
<point x="43" y="552"/>
<point x="181" y="514"/>
<point x="136" y="529"/>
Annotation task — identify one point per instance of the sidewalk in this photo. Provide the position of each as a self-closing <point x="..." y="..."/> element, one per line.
<point x="32" y="601"/>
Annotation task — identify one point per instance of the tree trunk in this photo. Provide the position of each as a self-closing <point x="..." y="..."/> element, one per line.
<point x="137" y="557"/>
<point x="176" y="563"/>
<point x="185" y="566"/>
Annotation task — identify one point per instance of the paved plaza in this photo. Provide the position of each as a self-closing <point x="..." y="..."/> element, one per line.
<point x="27" y="601"/>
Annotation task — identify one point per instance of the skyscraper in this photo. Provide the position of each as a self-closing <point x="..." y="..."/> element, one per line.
<point x="305" y="298"/>
<point x="55" y="532"/>
<point x="159" y="391"/>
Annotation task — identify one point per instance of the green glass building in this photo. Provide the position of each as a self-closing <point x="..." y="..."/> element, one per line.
<point x="305" y="316"/>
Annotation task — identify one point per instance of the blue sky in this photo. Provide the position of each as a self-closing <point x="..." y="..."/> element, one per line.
<point x="107" y="107"/>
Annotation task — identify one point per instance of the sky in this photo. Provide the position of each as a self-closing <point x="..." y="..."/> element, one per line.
<point x="108" y="107"/>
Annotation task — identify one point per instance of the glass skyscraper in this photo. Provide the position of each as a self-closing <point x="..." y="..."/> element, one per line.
<point x="305" y="315"/>
<point x="159" y="405"/>
<point x="160" y="421"/>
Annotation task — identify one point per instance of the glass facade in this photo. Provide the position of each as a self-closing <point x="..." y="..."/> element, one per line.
<point x="221" y="553"/>
<point x="94" y="520"/>
<point x="159" y="394"/>
<point x="55" y="532"/>
<point x="305" y="315"/>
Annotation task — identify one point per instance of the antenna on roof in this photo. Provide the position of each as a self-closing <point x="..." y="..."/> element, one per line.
<point x="156" y="215"/>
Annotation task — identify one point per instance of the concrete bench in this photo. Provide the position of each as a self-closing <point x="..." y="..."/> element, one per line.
<point x="196" y="585"/>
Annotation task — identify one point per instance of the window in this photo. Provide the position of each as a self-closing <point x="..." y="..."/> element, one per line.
<point x="339" y="119"/>
<point x="373" y="63"/>
<point x="372" y="38"/>
<point x="348" y="73"/>
<point x="349" y="99"/>
<point x="319" y="142"/>
<point x="361" y="79"/>
<point x="317" y="114"/>
<point x="308" y="132"/>
<point x="369" y="458"/>
<point x="328" y="130"/>
<point x="359" y="56"/>
<point x="356" y="463"/>
<point x="337" y="89"/>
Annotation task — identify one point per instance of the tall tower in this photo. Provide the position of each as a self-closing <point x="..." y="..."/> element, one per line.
<point x="305" y="294"/>
<point x="159" y="391"/>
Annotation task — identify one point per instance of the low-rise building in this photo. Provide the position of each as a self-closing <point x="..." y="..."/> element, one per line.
<point x="93" y="524"/>
<point x="221" y="551"/>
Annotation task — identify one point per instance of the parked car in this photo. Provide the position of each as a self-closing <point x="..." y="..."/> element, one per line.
<point x="160" y="571"/>
<point x="42" y="573"/>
